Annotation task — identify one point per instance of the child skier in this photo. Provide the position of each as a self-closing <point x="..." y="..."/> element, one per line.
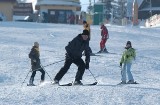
<point x="128" y="56"/>
<point x="105" y="36"/>
<point x="35" y="62"/>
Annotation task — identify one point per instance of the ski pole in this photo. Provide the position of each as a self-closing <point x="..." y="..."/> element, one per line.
<point x="40" y="68"/>
<point x="25" y="78"/>
<point x="93" y="77"/>
<point x="48" y="65"/>
<point x="46" y="72"/>
<point x="122" y="69"/>
<point x="54" y="63"/>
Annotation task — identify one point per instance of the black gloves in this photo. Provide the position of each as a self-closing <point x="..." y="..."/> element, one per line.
<point x="68" y="56"/>
<point x="127" y="56"/>
<point x="120" y="64"/>
<point x="87" y="65"/>
<point x="34" y="62"/>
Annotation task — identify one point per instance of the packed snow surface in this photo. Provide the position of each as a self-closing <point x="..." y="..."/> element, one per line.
<point x="16" y="41"/>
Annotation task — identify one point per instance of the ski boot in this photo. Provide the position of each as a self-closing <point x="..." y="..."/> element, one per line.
<point x="31" y="82"/>
<point x="92" y="54"/>
<point x="100" y="51"/>
<point x="55" y="82"/>
<point x="131" y="82"/>
<point x="123" y="82"/>
<point x="42" y="82"/>
<point x="77" y="83"/>
<point x="105" y="51"/>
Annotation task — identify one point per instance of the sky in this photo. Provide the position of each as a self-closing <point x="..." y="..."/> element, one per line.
<point x="16" y="41"/>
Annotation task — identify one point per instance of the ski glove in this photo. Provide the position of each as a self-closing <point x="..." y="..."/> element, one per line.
<point x="127" y="56"/>
<point x="34" y="60"/>
<point x="69" y="56"/>
<point x="87" y="65"/>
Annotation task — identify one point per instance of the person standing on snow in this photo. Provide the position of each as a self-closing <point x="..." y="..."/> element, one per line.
<point x="35" y="62"/>
<point x="105" y="36"/>
<point x="74" y="51"/>
<point x="86" y="26"/>
<point x="128" y="56"/>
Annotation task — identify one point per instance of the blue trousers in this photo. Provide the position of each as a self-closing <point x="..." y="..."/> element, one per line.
<point x="126" y="70"/>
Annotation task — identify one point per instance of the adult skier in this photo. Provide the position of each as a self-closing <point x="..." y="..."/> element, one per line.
<point x="74" y="51"/>
<point x="128" y="56"/>
<point x="35" y="62"/>
<point x="105" y="36"/>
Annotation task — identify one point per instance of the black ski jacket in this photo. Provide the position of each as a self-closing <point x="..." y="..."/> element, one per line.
<point x="76" y="47"/>
<point x="34" y="56"/>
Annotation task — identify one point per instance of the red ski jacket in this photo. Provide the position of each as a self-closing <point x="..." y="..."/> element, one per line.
<point x="104" y="33"/>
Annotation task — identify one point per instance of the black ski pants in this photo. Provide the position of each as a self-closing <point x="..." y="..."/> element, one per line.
<point x="39" y="69"/>
<point x="81" y="68"/>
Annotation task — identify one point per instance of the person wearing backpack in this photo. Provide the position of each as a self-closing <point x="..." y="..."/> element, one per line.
<point x="128" y="56"/>
<point x="35" y="63"/>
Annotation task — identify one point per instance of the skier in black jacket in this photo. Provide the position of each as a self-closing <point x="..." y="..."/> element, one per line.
<point x="35" y="62"/>
<point x="74" y="51"/>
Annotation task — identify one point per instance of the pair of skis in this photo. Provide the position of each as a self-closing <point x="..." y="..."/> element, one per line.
<point x="71" y="84"/>
<point x="91" y="84"/>
<point x="127" y="83"/>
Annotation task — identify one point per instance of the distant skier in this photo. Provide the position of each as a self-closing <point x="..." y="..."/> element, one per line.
<point x="105" y="36"/>
<point x="86" y="26"/>
<point x="74" y="51"/>
<point x="35" y="62"/>
<point x="128" y="56"/>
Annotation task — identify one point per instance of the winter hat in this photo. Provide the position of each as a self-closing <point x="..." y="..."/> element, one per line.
<point x="85" y="32"/>
<point x="129" y="42"/>
<point x="36" y="44"/>
<point x="102" y="25"/>
<point x="84" y="22"/>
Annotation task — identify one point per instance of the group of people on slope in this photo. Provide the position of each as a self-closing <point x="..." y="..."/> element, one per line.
<point x="104" y="36"/>
<point x="74" y="51"/>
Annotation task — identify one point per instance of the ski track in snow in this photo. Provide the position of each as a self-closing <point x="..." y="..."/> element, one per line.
<point x="17" y="39"/>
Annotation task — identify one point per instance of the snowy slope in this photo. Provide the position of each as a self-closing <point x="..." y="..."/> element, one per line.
<point x="16" y="40"/>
